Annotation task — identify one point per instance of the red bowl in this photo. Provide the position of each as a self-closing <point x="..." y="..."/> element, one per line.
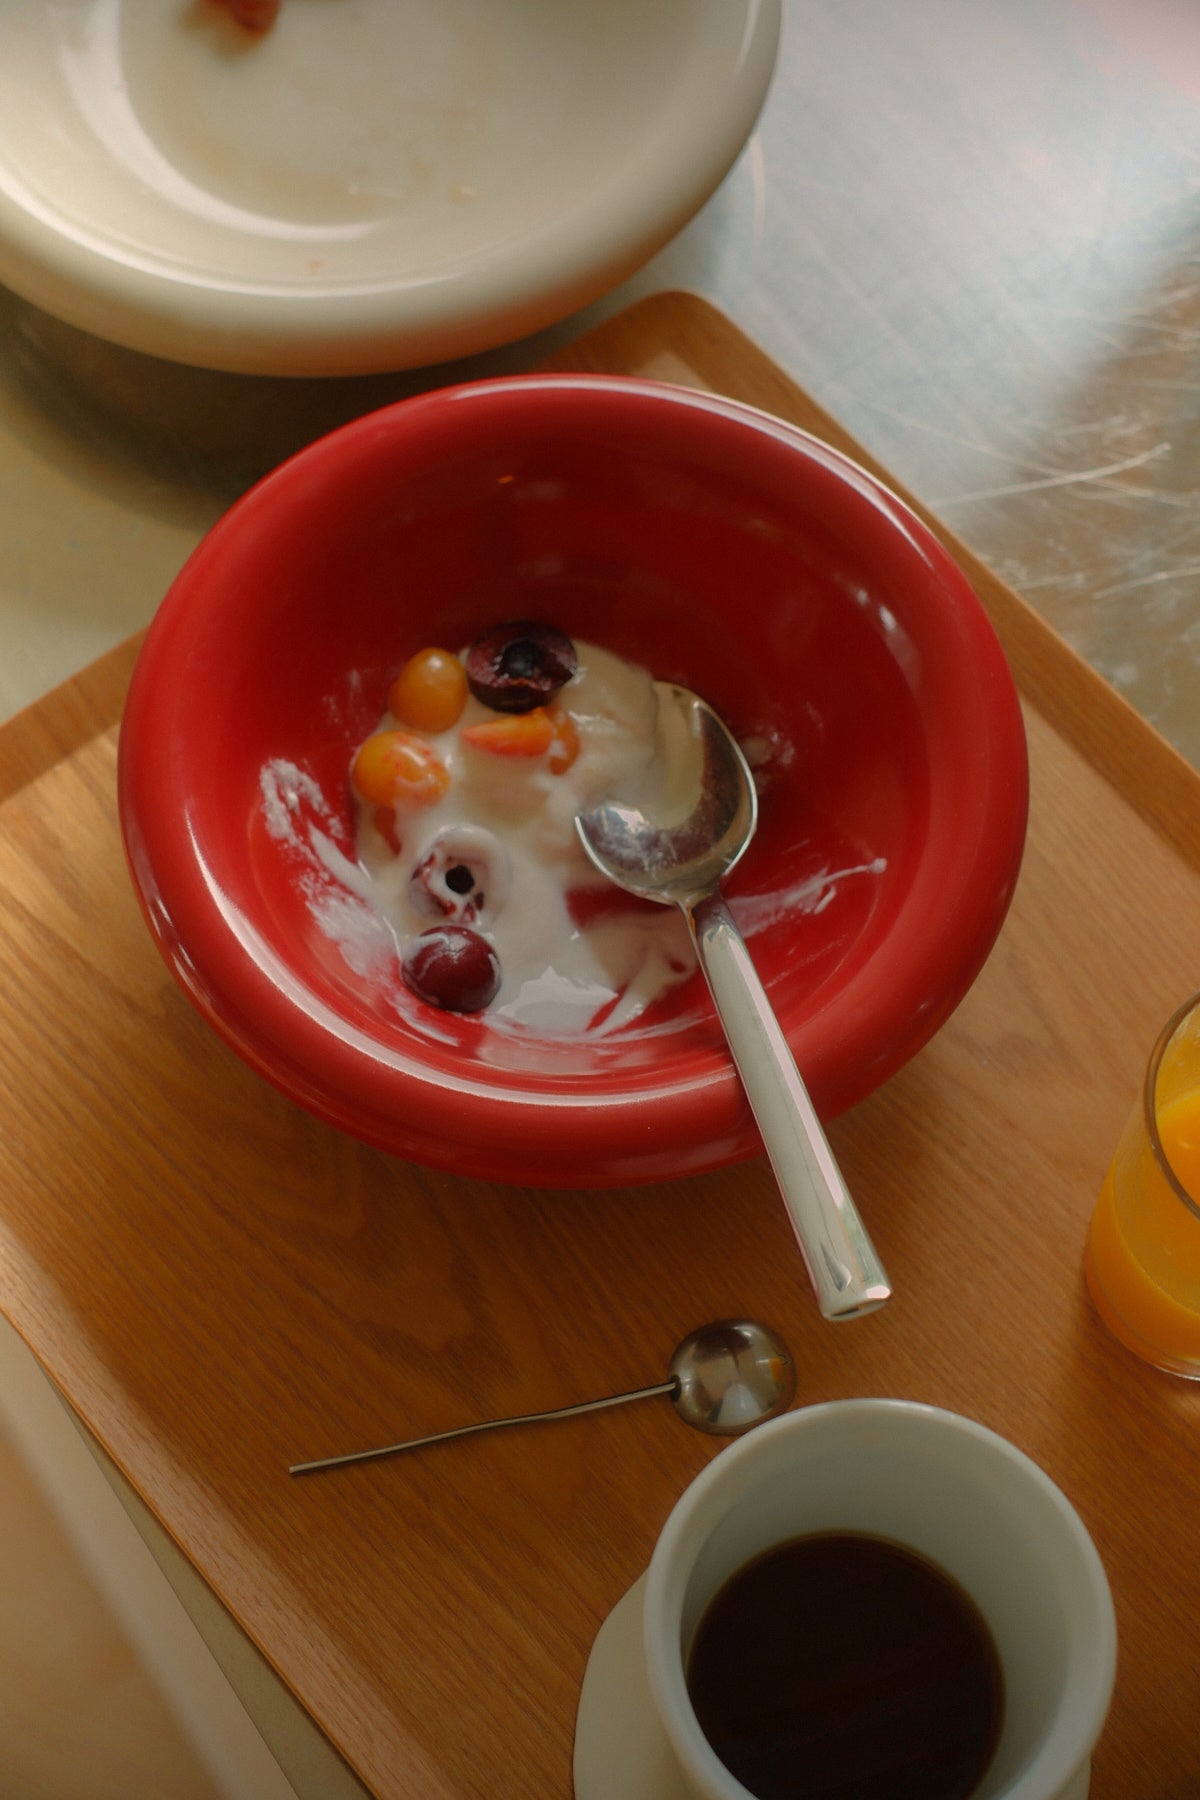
<point x="713" y="544"/>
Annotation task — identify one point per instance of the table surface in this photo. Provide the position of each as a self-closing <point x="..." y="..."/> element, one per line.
<point x="968" y="232"/>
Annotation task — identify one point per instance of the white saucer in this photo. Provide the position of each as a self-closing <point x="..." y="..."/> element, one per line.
<point x="621" y="1750"/>
<point x="373" y="184"/>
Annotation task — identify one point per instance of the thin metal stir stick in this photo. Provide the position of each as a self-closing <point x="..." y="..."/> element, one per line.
<point x="722" y="1378"/>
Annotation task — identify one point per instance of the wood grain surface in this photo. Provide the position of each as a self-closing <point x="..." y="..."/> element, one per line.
<point x="220" y="1284"/>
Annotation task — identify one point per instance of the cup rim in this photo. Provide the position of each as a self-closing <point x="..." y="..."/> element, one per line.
<point x="1150" y="1102"/>
<point x="1057" y="1760"/>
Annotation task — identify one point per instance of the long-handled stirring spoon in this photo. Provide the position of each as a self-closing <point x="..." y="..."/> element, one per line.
<point x="723" y="1378"/>
<point x="676" y="848"/>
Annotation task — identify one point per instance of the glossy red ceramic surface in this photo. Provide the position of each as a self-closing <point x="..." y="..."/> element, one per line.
<point x="718" y="547"/>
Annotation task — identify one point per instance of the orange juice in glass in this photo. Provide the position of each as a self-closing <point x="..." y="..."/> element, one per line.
<point x="1143" y="1252"/>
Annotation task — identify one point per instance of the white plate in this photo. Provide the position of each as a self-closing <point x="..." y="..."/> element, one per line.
<point x="375" y="184"/>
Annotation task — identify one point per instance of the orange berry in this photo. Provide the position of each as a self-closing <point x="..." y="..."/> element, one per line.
<point x="564" y="746"/>
<point x="513" y="734"/>
<point x="430" y="691"/>
<point x="394" y="768"/>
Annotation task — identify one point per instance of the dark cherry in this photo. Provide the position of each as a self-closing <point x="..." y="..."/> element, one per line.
<point x="514" y="667"/>
<point x="453" y="967"/>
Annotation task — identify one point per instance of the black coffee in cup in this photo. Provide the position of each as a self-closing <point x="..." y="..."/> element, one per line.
<point x="841" y="1666"/>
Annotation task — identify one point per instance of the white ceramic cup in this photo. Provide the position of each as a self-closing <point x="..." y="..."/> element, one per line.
<point x="950" y="1490"/>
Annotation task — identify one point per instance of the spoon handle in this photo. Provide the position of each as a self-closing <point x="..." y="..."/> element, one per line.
<point x="845" y="1271"/>
<point x="442" y="1437"/>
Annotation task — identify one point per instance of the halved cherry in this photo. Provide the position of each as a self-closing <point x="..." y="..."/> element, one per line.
<point x="463" y="876"/>
<point x="519" y="665"/>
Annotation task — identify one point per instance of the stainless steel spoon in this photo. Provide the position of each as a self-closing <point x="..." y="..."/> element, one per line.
<point x="676" y="847"/>
<point x="723" y="1378"/>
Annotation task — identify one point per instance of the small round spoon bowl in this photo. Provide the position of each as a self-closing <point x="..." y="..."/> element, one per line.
<point x="723" y="1378"/>
<point x="677" y="849"/>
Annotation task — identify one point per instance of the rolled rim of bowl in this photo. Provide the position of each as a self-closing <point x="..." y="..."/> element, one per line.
<point x="685" y="1115"/>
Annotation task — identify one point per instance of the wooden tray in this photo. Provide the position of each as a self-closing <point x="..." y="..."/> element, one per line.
<point x="220" y="1285"/>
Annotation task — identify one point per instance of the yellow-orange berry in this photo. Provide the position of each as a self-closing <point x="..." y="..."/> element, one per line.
<point x="513" y="734"/>
<point x="430" y="691"/>
<point x="394" y="768"/>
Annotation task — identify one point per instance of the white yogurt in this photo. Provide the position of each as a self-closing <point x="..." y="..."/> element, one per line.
<point x="516" y="818"/>
<point x="555" y="974"/>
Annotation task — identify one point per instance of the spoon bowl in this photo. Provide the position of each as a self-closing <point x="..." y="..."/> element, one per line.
<point x="730" y="1376"/>
<point x="674" y="847"/>
<point x="674" y="842"/>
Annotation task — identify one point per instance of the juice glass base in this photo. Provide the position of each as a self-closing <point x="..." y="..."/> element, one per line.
<point x="1149" y="1353"/>
<point x="1143" y="1250"/>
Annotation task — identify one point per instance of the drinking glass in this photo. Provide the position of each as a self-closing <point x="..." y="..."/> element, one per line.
<point x="1143" y="1252"/>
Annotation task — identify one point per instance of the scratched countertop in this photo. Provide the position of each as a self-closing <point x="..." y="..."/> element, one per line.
<point x="970" y="231"/>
